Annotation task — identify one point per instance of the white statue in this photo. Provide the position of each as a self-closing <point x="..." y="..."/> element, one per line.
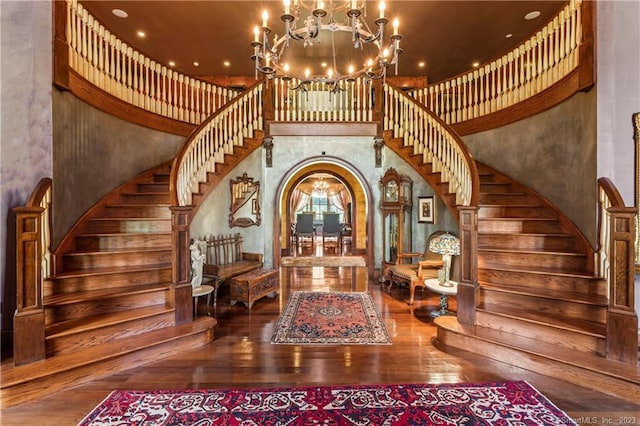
<point x="198" y="255"/>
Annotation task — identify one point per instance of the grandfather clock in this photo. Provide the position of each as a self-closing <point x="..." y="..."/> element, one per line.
<point x="396" y="203"/>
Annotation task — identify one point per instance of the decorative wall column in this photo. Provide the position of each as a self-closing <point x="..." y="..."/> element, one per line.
<point x="378" y="143"/>
<point x="267" y="144"/>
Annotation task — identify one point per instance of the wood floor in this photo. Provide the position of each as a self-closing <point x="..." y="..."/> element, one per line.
<point x="242" y="356"/>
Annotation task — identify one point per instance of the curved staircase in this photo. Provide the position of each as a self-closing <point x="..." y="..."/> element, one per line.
<point x="540" y="304"/>
<point x="109" y="306"/>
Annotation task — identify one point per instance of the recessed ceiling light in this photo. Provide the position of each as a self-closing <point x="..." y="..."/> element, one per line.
<point x="226" y="63"/>
<point x="172" y="64"/>
<point x="141" y="34"/>
<point x="323" y="65"/>
<point x="196" y="64"/>
<point x="120" y="13"/>
<point x="509" y="35"/>
<point x="421" y="64"/>
<point x="532" y="15"/>
<point x="476" y="64"/>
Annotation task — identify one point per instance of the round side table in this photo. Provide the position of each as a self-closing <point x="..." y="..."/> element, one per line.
<point x="434" y="285"/>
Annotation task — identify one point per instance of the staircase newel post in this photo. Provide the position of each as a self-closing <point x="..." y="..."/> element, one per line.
<point x="268" y="102"/>
<point x="181" y="295"/>
<point x="28" y="320"/>
<point x="468" y="288"/>
<point x="377" y="104"/>
<point x="60" y="45"/>
<point x="622" y="320"/>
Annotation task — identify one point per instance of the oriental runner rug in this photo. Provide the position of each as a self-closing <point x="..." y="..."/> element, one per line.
<point x="315" y="318"/>
<point x="501" y="403"/>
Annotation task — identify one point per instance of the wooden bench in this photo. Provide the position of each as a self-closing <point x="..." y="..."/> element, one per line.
<point x="225" y="259"/>
<point x="249" y="287"/>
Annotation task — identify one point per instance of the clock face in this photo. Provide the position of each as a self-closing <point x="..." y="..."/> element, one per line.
<point x="391" y="192"/>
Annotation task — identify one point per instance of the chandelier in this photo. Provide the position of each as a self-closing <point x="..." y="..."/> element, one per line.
<point x="333" y="16"/>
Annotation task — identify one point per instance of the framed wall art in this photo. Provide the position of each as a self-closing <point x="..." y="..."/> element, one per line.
<point x="426" y="210"/>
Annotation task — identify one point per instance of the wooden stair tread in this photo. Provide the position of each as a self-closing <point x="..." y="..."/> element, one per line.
<point x="524" y="234"/>
<point x="120" y="234"/>
<point x="579" y="359"/>
<point x="109" y="271"/>
<point x="518" y="219"/>
<point x="569" y="296"/>
<point x="65" y="328"/>
<point x="109" y="251"/>
<point x="137" y="205"/>
<point x="103" y="293"/>
<point x="517" y="250"/>
<point x="107" y="218"/>
<point x="569" y="274"/>
<point x="576" y="325"/>
<point x="12" y="375"/>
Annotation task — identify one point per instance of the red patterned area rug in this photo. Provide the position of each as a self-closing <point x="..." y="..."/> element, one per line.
<point x="330" y="318"/>
<point x="502" y="403"/>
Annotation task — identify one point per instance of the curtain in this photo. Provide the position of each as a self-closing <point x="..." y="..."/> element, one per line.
<point x="298" y="199"/>
<point x="341" y="200"/>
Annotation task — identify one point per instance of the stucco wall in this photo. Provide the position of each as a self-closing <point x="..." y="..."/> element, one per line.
<point x="288" y="153"/>
<point x="554" y="153"/>
<point x="95" y="152"/>
<point x="26" y="110"/>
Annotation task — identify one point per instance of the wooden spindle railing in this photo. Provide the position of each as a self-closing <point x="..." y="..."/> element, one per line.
<point x="33" y="266"/>
<point x="616" y="223"/>
<point x="430" y="137"/>
<point x="115" y="67"/>
<point x="321" y="102"/>
<point x="213" y="139"/>
<point x="533" y="66"/>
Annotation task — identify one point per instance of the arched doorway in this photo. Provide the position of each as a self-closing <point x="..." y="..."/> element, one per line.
<point x="361" y="209"/>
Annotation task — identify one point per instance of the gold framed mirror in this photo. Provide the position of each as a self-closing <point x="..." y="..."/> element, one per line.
<point x="245" y="202"/>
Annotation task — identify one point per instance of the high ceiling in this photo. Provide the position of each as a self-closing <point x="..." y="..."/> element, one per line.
<point x="448" y="36"/>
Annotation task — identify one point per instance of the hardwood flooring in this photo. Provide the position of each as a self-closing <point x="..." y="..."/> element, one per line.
<point x="242" y="356"/>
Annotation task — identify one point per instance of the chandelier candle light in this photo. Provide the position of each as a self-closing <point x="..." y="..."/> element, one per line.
<point x="269" y="56"/>
<point x="447" y="245"/>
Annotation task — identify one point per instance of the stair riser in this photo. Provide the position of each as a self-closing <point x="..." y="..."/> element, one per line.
<point x="112" y="226"/>
<point x="162" y="178"/>
<point x="88" y="338"/>
<point x="530" y="226"/>
<point x="97" y="281"/>
<point x="516" y="212"/>
<point x="526" y="242"/>
<point x="577" y="284"/>
<point x="563" y="338"/>
<point x="122" y="241"/>
<point x="153" y="187"/>
<point x="495" y="188"/>
<point x="559" y="369"/>
<point x="106" y="305"/>
<point x="146" y="198"/>
<point x="159" y="212"/>
<point x="534" y="261"/>
<point x="493" y="300"/>
<point x="519" y="199"/>
<point x="84" y="261"/>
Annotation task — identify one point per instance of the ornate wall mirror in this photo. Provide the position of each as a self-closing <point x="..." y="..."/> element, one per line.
<point x="245" y="202"/>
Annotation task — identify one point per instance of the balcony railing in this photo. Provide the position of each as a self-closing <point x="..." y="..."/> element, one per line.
<point x="115" y="67"/>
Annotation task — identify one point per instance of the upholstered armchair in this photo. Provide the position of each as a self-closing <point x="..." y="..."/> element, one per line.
<point x="413" y="273"/>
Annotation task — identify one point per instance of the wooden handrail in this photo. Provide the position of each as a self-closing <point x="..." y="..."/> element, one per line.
<point x="531" y="67"/>
<point x="110" y="64"/>
<point x="616" y="230"/>
<point x="429" y="136"/>
<point x="212" y="139"/>
<point x="33" y="266"/>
